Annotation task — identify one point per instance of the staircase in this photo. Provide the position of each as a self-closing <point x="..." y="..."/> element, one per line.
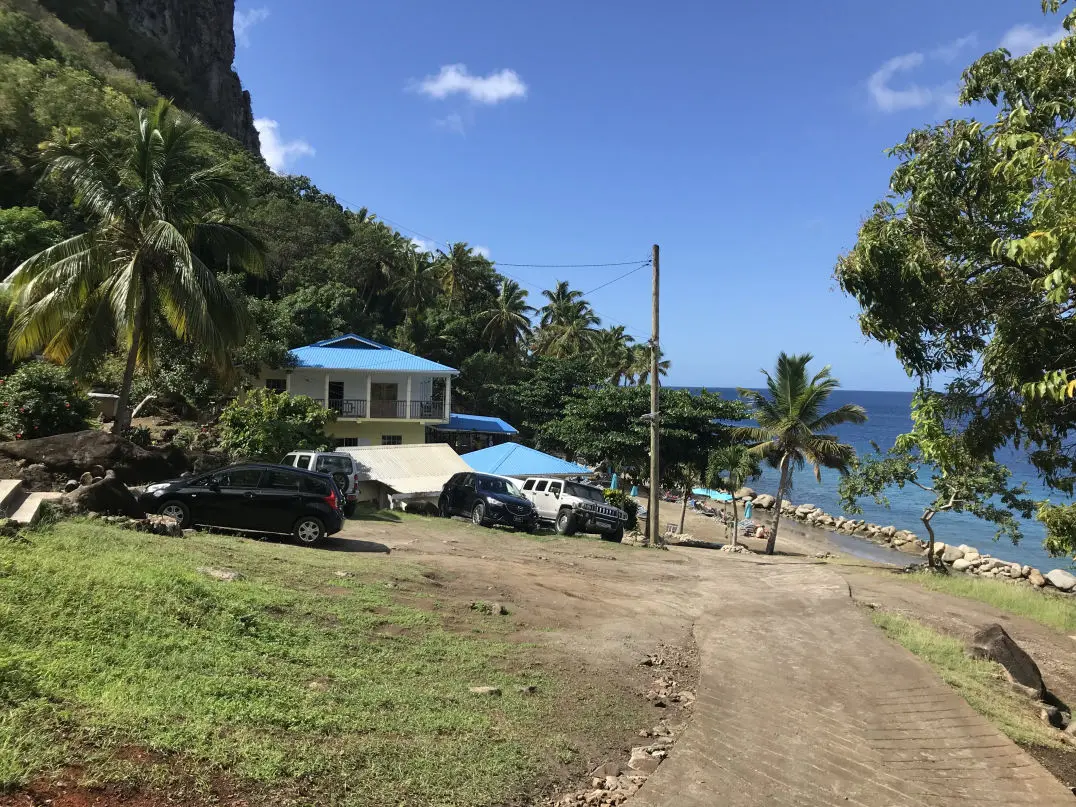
<point x="20" y="504"/>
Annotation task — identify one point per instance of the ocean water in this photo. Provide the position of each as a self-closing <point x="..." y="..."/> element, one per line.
<point x="888" y="415"/>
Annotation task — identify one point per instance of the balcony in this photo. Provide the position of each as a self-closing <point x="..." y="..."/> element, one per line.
<point x="349" y="408"/>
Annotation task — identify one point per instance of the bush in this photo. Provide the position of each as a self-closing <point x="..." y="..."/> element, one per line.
<point x="140" y="436"/>
<point x="266" y="425"/>
<point x="619" y="498"/>
<point x="40" y="399"/>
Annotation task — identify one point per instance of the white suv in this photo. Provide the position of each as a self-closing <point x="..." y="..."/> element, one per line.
<point x="574" y="507"/>
<point x="340" y="465"/>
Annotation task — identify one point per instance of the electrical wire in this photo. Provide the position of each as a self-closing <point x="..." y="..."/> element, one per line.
<point x="615" y="279"/>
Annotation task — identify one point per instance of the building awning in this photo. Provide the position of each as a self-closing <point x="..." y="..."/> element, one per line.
<point x="513" y="459"/>
<point x="476" y="423"/>
<point x="422" y="468"/>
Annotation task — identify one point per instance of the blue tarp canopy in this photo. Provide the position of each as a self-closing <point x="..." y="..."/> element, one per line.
<point x="512" y="459"/>
<point x="476" y="423"/>
<point x="718" y="495"/>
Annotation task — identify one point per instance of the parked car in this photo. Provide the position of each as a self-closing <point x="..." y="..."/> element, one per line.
<point x="256" y="498"/>
<point x="488" y="500"/>
<point x="574" y="507"/>
<point x="341" y="466"/>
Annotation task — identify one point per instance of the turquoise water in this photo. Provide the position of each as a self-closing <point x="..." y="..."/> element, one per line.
<point x="888" y="415"/>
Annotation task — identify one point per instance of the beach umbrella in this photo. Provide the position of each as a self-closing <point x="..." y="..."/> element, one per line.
<point x="634" y="490"/>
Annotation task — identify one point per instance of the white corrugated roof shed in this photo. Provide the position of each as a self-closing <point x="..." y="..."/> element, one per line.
<point x="422" y="468"/>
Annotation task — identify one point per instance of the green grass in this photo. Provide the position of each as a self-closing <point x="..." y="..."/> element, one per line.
<point x="1050" y="609"/>
<point x="982" y="683"/>
<point x="298" y="683"/>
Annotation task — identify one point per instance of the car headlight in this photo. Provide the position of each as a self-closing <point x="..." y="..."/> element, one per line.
<point x="157" y="488"/>
<point x="494" y="502"/>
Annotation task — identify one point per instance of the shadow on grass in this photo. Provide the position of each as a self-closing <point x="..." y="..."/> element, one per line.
<point x="376" y="515"/>
<point x="339" y="544"/>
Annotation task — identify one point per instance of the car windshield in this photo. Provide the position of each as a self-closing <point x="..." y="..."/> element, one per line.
<point x="501" y="486"/>
<point x="584" y="492"/>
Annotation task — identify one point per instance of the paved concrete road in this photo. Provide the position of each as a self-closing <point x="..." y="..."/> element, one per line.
<point x="802" y="701"/>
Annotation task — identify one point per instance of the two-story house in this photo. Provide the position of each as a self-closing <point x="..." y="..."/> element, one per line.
<point x="381" y="396"/>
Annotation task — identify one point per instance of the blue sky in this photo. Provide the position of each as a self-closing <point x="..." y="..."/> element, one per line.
<point x="746" y="139"/>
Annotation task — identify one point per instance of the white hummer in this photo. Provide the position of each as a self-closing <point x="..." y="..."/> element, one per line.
<point x="574" y="507"/>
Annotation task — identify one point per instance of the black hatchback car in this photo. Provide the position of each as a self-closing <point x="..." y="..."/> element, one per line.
<point x="488" y="500"/>
<point x="275" y="499"/>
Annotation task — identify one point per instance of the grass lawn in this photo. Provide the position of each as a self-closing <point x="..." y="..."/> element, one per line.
<point x="981" y="683"/>
<point x="1051" y="609"/>
<point x="292" y="682"/>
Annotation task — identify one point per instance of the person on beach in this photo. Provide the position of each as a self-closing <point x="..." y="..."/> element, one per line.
<point x="748" y="506"/>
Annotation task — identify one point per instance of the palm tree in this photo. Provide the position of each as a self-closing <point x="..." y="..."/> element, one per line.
<point x="640" y="363"/>
<point x="730" y="468"/>
<point x="790" y="425"/>
<point x="612" y="353"/>
<point x="563" y="302"/>
<point x="415" y="284"/>
<point x="568" y="323"/>
<point x="154" y="215"/>
<point x="508" y="322"/>
<point x="456" y="270"/>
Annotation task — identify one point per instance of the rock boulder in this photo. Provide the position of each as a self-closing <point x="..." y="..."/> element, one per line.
<point x="745" y="493"/>
<point x="765" y="501"/>
<point x="75" y="453"/>
<point x="993" y="643"/>
<point x="107" y="496"/>
<point x="1060" y="579"/>
<point x="952" y="553"/>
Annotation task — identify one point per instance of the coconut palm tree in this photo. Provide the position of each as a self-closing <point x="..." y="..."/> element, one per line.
<point x="563" y="304"/>
<point x="640" y="363"/>
<point x="612" y="353"/>
<point x="508" y="322"/>
<point x="457" y="269"/>
<point x="415" y="284"/>
<point x="154" y="215"/>
<point x="791" y="422"/>
<point x="571" y="334"/>
<point x="730" y="468"/>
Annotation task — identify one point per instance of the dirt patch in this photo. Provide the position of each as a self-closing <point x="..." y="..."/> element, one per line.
<point x="1058" y="761"/>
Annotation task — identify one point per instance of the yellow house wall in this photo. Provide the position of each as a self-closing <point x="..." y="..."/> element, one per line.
<point x="412" y="433"/>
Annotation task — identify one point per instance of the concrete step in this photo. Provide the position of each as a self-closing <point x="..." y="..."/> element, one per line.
<point x="11" y="494"/>
<point x="28" y="511"/>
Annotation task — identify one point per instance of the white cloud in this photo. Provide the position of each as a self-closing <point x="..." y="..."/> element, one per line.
<point x="243" y="21"/>
<point x="500" y="85"/>
<point x="478" y="249"/>
<point x="888" y="99"/>
<point x="453" y="122"/>
<point x="423" y="246"/>
<point x="279" y="153"/>
<point x="1021" y="39"/>
<point x="951" y="50"/>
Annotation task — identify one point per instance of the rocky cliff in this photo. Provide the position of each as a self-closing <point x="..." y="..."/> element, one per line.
<point x="184" y="47"/>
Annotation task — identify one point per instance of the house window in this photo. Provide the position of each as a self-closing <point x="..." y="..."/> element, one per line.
<point x="336" y="390"/>
<point x="276" y="384"/>
<point x="392" y="440"/>
<point x="349" y="442"/>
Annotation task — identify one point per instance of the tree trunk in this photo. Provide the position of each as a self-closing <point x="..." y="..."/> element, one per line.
<point x="735" y="530"/>
<point x="782" y="486"/>
<point x="123" y="402"/>
<point x="928" y="516"/>
<point x="683" y="509"/>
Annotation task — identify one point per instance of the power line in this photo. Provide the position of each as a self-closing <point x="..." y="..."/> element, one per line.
<point x="615" y="279"/>
<point x="570" y="265"/>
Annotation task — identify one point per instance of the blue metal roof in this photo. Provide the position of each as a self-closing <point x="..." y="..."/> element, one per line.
<point x="512" y="459"/>
<point x="352" y="352"/>
<point x="476" y="423"/>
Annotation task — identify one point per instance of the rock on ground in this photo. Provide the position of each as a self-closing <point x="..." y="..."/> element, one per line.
<point x="107" y="496"/>
<point x="1060" y="579"/>
<point x="74" y="453"/>
<point x="994" y="644"/>
<point x="224" y="575"/>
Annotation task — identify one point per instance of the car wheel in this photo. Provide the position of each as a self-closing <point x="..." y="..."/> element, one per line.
<point x="565" y="522"/>
<point x="478" y="515"/>
<point x="177" y="510"/>
<point x="443" y="508"/>
<point x="616" y="535"/>
<point x="309" y="531"/>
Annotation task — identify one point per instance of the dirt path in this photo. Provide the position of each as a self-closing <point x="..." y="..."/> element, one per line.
<point x="803" y="702"/>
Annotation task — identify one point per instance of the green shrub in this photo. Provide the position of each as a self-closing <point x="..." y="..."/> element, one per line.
<point x="265" y="425"/>
<point x="619" y="498"/>
<point x="140" y="436"/>
<point x="40" y="399"/>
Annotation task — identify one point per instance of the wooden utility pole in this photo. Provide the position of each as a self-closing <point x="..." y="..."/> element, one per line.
<point x="653" y="518"/>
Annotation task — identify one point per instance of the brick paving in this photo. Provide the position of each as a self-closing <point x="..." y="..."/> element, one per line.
<point x="802" y="701"/>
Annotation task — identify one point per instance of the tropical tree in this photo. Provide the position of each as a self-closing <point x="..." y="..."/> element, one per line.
<point x="568" y="323"/>
<point x="612" y="354"/>
<point x="415" y="285"/>
<point x="730" y="468"/>
<point x="508" y="322"/>
<point x="456" y="269"/>
<point x="791" y="425"/>
<point x="562" y="304"/>
<point x="641" y="363"/>
<point x="156" y="214"/>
